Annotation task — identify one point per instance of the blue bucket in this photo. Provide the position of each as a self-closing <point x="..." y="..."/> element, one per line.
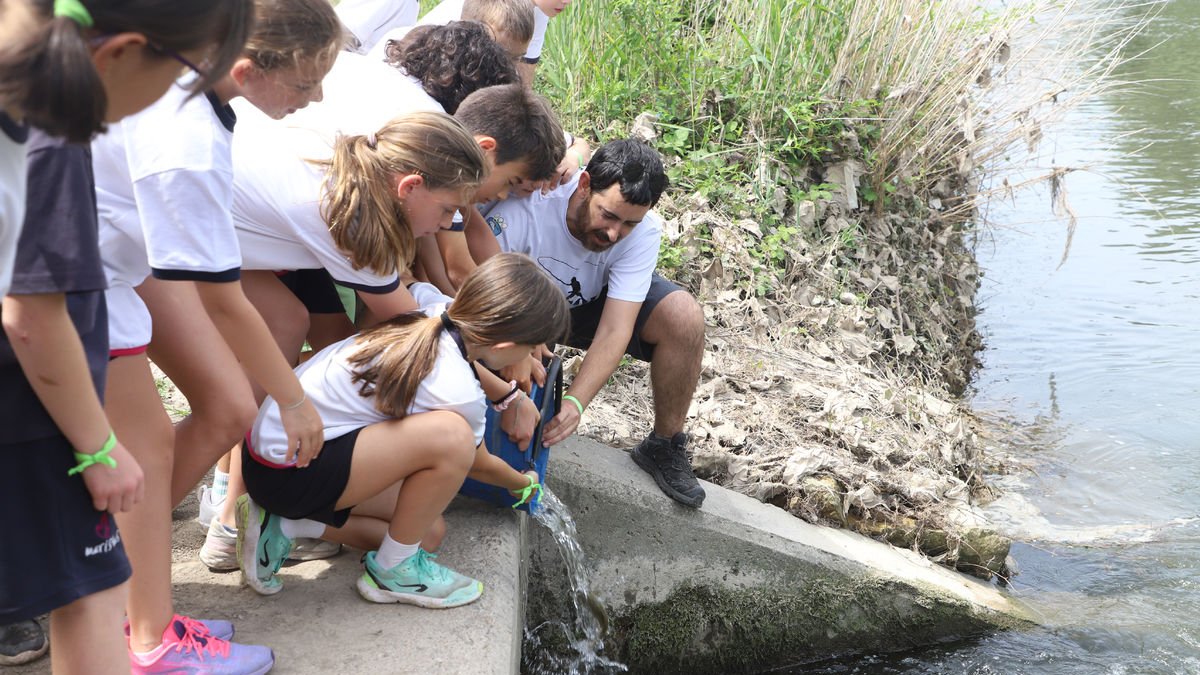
<point x="533" y="456"/>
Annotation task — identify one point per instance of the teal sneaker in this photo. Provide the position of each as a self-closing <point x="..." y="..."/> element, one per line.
<point x="417" y="581"/>
<point x="261" y="546"/>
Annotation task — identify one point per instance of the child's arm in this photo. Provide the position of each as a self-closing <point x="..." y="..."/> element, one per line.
<point x="251" y="341"/>
<point x="456" y="254"/>
<point x="492" y="470"/>
<point x="383" y="306"/>
<point x="51" y="355"/>
<point x="481" y="242"/>
<point x="576" y="157"/>
<point x="430" y="256"/>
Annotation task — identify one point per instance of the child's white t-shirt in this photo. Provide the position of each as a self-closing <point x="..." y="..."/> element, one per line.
<point x="327" y="379"/>
<point x="360" y="96"/>
<point x="12" y="195"/>
<point x="537" y="226"/>
<point x="164" y="189"/>
<point x="368" y="20"/>
<point x="451" y="10"/>
<point x="277" y="193"/>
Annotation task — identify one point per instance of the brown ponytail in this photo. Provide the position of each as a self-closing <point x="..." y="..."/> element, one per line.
<point x="360" y="205"/>
<point x="506" y="299"/>
<point x="48" y="73"/>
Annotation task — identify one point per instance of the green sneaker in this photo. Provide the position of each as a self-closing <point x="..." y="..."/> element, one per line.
<point x="417" y="581"/>
<point x="261" y="546"/>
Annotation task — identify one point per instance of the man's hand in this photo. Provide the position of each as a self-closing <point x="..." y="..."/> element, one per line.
<point x="117" y="488"/>
<point x="520" y="420"/>
<point x="562" y="426"/>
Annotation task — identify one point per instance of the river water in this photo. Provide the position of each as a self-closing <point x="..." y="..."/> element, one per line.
<point x="1093" y="363"/>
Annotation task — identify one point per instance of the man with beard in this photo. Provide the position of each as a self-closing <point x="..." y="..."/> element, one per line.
<point x="597" y="236"/>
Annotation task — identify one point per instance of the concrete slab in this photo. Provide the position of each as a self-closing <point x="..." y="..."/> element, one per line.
<point x="318" y="624"/>
<point x="742" y="586"/>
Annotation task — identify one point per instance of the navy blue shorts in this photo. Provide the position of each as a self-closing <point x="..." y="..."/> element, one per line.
<point x="315" y="288"/>
<point x="586" y="318"/>
<point x="311" y="492"/>
<point x="58" y="548"/>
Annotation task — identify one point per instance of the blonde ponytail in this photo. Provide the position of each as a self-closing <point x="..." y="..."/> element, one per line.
<point x="506" y="299"/>
<point x="360" y="204"/>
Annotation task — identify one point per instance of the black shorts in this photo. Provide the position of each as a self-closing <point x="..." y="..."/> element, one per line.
<point x="311" y="492"/>
<point x="315" y="289"/>
<point x="57" y="548"/>
<point x="586" y="318"/>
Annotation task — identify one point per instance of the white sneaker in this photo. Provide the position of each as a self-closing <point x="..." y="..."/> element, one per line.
<point x="313" y="549"/>
<point x="210" y="507"/>
<point x="219" y="552"/>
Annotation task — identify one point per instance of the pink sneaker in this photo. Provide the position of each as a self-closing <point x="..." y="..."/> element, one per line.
<point x="188" y="647"/>
<point x="216" y="627"/>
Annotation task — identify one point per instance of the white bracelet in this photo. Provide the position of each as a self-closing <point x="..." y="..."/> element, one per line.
<point x="297" y="404"/>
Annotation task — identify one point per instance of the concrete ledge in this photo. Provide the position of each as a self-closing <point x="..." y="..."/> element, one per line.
<point x="318" y="624"/>
<point x="741" y="586"/>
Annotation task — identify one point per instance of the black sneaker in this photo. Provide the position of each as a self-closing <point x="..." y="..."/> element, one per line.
<point x="667" y="461"/>
<point x="21" y="642"/>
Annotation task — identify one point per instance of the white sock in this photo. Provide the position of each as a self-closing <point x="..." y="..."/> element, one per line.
<point x="220" y="486"/>
<point x="296" y="529"/>
<point x="392" y="552"/>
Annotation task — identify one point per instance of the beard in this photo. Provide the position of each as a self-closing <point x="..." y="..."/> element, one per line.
<point x="595" y="240"/>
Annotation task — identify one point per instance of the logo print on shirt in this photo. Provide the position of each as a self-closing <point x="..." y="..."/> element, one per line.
<point x="567" y="275"/>
<point x="497" y="224"/>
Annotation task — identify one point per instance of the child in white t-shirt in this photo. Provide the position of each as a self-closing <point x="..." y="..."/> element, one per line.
<point x="370" y="20"/>
<point x="512" y="23"/>
<point x="404" y="420"/>
<point x="165" y="192"/>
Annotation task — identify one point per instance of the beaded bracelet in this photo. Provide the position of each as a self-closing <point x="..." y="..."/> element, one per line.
<point x="100" y="457"/>
<point x="503" y="402"/>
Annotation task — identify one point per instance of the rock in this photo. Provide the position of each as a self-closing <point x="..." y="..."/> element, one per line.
<point x="643" y="127"/>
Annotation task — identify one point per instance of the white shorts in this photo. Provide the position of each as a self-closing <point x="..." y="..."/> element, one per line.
<point x="129" y="324"/>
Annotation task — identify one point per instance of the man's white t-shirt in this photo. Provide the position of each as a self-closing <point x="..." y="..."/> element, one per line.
<point x="368" y="20"/>
<point x="327" y="379"/>
<point x="537" y="227"/>
<point x="277" y="193"/>
<point x="12" y="195"/>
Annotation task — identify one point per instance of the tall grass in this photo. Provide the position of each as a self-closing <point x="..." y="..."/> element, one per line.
<point x="933" y="90"/>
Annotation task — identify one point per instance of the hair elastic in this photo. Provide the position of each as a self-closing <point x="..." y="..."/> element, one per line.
<point x="447" y="322"/>
<point x="371" y="140"/>
<point x="75" y="11"/>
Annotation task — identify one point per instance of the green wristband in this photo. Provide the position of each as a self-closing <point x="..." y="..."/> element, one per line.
<point x="527" y="492"/>
<point x="99" y="457"/>
<point x="574" y="400"/>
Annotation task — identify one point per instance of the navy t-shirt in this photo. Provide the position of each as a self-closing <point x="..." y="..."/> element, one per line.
<point x="58" y="253"/>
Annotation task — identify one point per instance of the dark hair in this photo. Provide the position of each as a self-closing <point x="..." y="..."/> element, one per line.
<point x="453" y="61"/>
<point x="523" y="124"/>
<point x="508" y="298"/>
<point x="635" y="165"/>
<point x="50" y="77"/>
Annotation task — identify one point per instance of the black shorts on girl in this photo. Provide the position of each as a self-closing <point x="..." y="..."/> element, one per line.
<point x="58" y="547"/>
<point x="311" y="492"/>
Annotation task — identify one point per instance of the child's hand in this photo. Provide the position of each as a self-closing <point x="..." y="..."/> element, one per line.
<point x="529" y="474"/>
<point x="520" y="420"/>
<point x="117" y="488"/>
<point x="304" y="431"/>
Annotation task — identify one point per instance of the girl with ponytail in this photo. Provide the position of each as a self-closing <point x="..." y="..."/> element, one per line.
<point x="404" y="418"/>
<point x="165" y="192"/>
<point x="68" y="67"/>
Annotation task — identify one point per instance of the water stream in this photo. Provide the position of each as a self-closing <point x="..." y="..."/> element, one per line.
<point x="586" y="629"/>
<point x="1090" y="382"/>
